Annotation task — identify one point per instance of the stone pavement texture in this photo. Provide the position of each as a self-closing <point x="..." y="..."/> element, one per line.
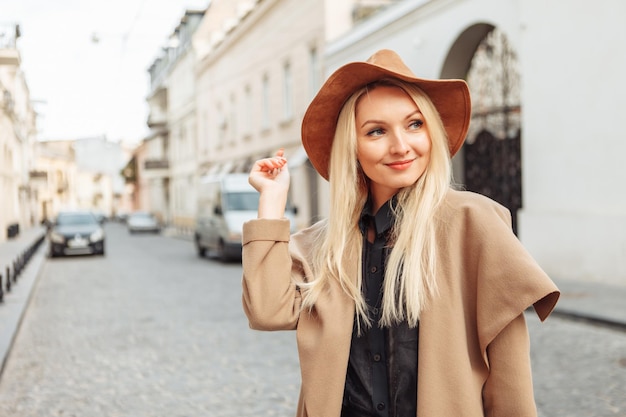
<point x="600" y="303"/>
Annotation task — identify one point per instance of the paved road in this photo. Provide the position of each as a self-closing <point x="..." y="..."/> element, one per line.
<point x="151" y="330"/>
<point x="579" y="370"/>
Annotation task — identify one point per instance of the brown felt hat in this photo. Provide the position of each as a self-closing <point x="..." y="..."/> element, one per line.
<point x="450" y="97"/>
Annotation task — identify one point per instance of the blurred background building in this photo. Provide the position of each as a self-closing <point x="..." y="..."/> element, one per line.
<point x="18" y="199"/>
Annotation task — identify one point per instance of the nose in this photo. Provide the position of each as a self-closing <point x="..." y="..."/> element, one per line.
<point x="399" y="144"/>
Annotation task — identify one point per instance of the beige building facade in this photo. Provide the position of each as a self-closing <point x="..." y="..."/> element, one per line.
<point x="18" y="198"/>
<point x="57" y="182"/>
<point x="78" y="174"/>
<point x="169" y="171"/>
<point x="230" y="86"/>
<point x="257" y="74"/>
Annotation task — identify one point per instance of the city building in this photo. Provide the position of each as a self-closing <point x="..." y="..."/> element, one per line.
<point x="18" y="201"/>
<point x="169" y="173"/>
<point x="258" y="68"/>
<point x="80" y="173"/>
<point x="56" y="179"/>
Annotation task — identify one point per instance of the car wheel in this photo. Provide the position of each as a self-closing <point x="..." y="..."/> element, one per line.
<point x="199" y="248"/>
<point x="221" y="252"/>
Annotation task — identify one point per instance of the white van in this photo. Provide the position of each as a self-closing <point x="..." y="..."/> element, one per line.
<point x="225" y="203"/>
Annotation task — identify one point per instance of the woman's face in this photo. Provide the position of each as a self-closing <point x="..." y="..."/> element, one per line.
<point x="393" y="144"/>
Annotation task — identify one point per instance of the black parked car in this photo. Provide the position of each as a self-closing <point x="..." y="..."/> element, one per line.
<point x="76" y="233"/>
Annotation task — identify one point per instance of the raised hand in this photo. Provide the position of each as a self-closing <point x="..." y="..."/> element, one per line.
<point x="270" y="177"/>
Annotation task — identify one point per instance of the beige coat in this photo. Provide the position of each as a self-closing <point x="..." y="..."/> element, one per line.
<point x="473" y="342"/>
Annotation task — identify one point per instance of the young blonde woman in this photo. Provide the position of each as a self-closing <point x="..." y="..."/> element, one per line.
<point x="409" y="298"/>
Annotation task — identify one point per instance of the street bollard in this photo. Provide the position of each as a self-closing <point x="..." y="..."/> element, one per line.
<point x="19" y="264"/>
<point x="16" y="270"/>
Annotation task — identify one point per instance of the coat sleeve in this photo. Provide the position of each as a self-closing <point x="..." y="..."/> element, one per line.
<point x="271" y="299"/>
<point x="508" y="281"/>
<point x="508" y="390"/>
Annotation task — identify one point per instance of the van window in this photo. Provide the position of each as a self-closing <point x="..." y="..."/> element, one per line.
<point x="242" y="201"/>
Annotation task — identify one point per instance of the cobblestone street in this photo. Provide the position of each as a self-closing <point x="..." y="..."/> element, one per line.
<point x="579" y="370"/>
<point x="150" y="330"/>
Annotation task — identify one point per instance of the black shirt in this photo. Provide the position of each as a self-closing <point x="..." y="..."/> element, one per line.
<point x="381" y="379"/>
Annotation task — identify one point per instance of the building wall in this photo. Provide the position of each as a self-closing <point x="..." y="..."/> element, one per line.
<point x="99" y="162"/>
<point x="252" y="99"/>
<point x="183" y="133"/>
<point x="17" y="136"/>
<point x="56" y="190"/>
<point x="9" y="176"/>
<point x="235" y="123"/>
<point x="154" y="181"/>
<point x="573" y="62"/>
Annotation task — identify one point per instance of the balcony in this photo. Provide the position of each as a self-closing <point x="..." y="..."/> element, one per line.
<point x="155" y="169"/>
<point x="150" y="164"/>
<point x="38" y="176"/>
<point x="9" y="55"/>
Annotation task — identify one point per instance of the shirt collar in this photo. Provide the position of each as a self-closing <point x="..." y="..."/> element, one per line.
<point x="383" y="219"/>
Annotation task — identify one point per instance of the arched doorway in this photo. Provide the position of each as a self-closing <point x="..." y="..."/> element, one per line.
<point x="490" y="160"/>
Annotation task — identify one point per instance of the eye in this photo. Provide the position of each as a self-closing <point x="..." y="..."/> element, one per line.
<point x="376" y="132"/>
<point x="416" y="124"/>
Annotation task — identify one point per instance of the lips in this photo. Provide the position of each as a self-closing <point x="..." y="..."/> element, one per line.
<point x="401" y="164"/>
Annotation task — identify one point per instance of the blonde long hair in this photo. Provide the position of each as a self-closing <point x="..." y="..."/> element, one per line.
<point x="410" y="277"/>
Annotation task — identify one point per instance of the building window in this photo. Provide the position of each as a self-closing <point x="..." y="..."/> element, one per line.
<point x="287" y="92"/>
<point x="222" y="127"/>
<point x="183" y="143"/>
<point x="248" y="111"/>
<point x="265" y="97"/>
<point x="314" y="72"/>
<point x="233" y="119"/>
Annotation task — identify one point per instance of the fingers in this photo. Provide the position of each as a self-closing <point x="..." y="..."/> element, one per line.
<point x="270" y="173"/>
<point x="274" y="163"/>
<point x="270" y="164"/>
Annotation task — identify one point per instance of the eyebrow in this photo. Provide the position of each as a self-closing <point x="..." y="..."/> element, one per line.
<point x="416" y="112"/>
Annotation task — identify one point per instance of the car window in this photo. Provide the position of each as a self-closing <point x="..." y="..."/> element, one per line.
<point x="142" y="215"/>
<point x="242" y="201"/>
<point x="76" y="218"/>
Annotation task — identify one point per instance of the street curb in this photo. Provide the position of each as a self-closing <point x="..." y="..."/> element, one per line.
<point x="590" y="319"/>
<point x="16" y="302"/>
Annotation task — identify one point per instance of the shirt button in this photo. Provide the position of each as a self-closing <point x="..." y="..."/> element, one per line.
<point x="373" y="270"/>
<point x="380" y="406"/>
<point x="377" y="358"/>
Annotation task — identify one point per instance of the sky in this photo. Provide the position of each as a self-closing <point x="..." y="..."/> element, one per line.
<point x="86" y="61"/>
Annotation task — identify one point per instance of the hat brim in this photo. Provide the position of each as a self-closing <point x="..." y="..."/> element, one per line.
<point x="451" y="99"/>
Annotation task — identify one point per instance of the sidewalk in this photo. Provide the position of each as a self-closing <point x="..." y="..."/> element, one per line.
<point x="15" y="302"/>
<point x="593" y="301"/>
